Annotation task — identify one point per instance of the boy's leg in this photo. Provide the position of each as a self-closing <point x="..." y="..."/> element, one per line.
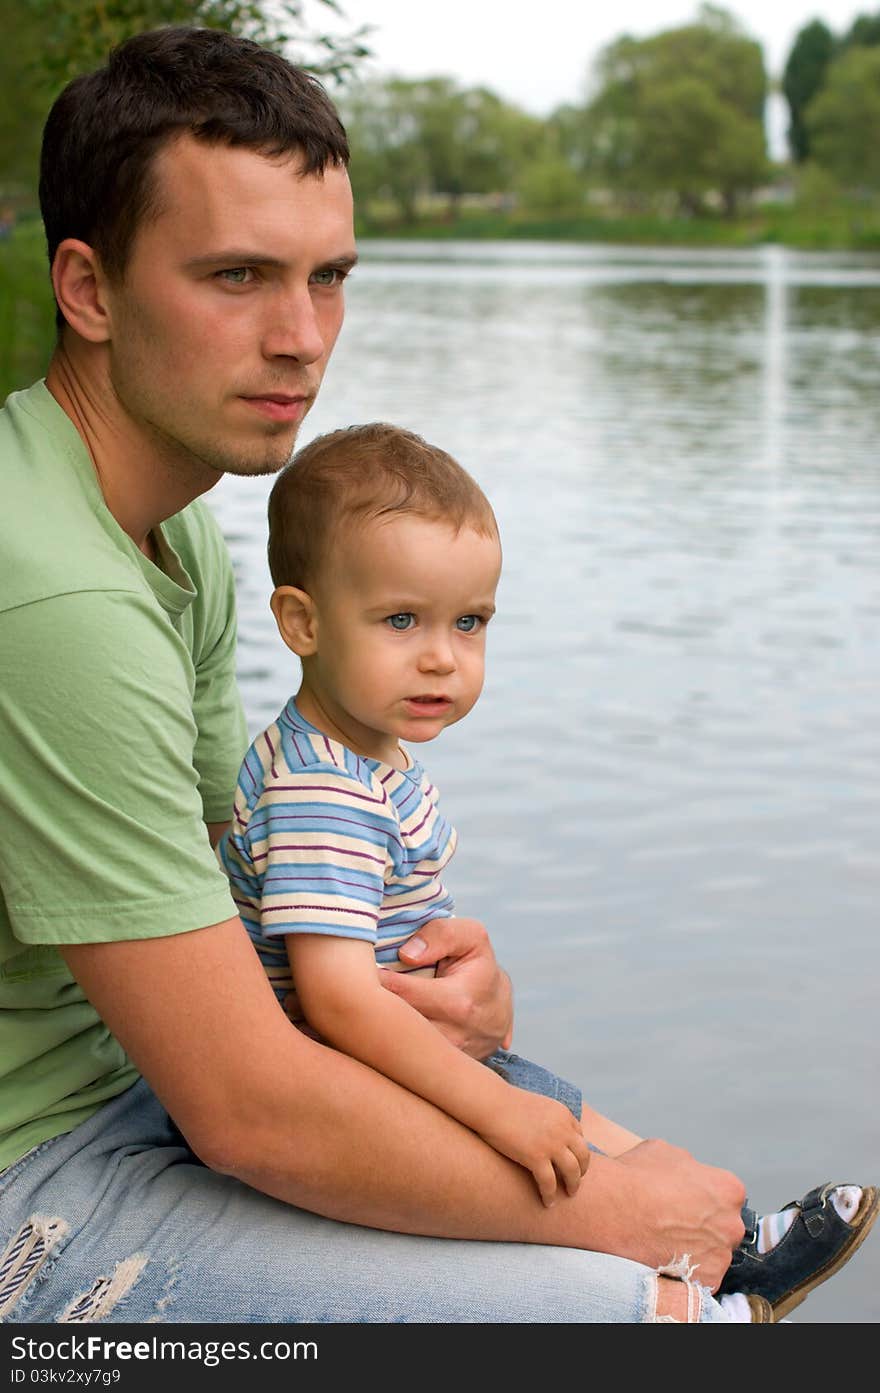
<point x="118" y="1222"/>
<point x="600" y="1132"/>
<point x="606" y="1135"/>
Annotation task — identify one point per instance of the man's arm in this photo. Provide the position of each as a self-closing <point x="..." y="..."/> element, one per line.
<point x="259" y="1100"/>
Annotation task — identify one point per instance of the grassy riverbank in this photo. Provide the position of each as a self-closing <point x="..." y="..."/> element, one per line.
<point x="843" y="226"/>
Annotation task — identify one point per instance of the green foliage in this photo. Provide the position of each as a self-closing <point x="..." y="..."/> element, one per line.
<point x="82" y="32"/>
<point x="78" y="35"/>
<point x="549" y="186"/>
<point x="804" y="75"/>
<point x="429" y="138"/>
<point x="843" y="120"/>
<point x="27" y="310"/>
<point x="864" y="32"/>
<point x="24" y="101"/>
<point x="680" y="112"/>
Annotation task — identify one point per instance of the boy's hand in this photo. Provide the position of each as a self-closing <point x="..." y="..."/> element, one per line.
<point x="470" y="999"/>
<point x="542" y="1135"/>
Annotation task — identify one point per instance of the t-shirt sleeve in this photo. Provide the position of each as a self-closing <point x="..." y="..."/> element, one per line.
<point x="99" y="792"/>
<point x="317" y="844"/>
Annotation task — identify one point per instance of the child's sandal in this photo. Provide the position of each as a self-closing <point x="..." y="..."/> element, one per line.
<point x="816" y="1246"/>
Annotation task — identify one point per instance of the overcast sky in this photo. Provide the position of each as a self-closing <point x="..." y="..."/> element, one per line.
<point x="537" y="54"/>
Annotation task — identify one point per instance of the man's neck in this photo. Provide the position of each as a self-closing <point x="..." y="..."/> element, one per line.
<point x="136" y="474"/>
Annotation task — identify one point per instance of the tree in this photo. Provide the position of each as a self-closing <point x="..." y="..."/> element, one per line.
<point x="843" y="120"/>
<point x="804" y="75"/>
<point x="428" y="136"/>
<point x="680" y="112"/>
<point x="388" y="159"/>
<point x="80" y="33"/>
<point x="864" y="32"/>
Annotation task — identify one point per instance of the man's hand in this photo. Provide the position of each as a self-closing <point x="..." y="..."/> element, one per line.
<point x="470" y="999"/>
<point x="677" y="1207"/>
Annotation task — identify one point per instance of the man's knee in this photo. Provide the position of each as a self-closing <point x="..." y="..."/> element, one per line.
<point x="675" y="1301"/>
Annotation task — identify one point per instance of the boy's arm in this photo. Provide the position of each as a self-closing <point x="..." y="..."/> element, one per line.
<point x="342" y="997"/>
<point x="469" y="999"/>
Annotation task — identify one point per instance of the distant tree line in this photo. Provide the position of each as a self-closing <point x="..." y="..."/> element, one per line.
<point x="832" y="85"/>
<point x="673" y="122"/>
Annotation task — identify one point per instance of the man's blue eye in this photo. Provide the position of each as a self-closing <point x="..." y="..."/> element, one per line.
<point x="468" y="623"/>
<point x="401" y="621"/>
<point x="329" y="276"/>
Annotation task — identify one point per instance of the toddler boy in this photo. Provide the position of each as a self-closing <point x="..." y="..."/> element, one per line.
<point x="385" y="557"/>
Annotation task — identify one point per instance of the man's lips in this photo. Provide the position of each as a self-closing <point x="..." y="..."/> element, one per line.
<point x="278" y="406"/>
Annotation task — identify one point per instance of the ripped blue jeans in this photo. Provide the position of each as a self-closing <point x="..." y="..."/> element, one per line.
<point x="119" y="1221"/>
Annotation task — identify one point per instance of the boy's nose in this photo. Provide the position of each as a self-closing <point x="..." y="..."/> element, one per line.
<point x="437" y="656"/>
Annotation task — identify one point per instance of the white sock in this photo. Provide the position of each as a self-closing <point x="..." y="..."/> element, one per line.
<point x="773" y="1227"/>
<point x="737" y="1307"/>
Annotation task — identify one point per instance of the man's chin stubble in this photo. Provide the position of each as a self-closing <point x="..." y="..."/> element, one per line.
<point x="250" y="467"/>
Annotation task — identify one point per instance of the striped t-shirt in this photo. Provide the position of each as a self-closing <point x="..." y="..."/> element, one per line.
<point x="324" y="841"/>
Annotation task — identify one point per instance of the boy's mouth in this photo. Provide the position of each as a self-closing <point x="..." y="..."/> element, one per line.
<point x="429" y="705"/>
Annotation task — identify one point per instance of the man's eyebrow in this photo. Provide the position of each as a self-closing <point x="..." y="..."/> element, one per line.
<point x="239" y="256"/>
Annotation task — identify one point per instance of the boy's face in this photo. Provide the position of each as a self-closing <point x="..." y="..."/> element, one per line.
<point x="400" y="631"/>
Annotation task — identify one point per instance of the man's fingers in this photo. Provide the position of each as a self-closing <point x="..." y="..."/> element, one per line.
<point x="442" y="938"/>
<point x="419" y="991"/>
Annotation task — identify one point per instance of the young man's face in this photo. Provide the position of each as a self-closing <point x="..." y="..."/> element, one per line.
<point x="230" y="305"/>
<point x="401" y="614"/>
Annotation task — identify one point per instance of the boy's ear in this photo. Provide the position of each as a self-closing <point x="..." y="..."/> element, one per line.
<point x="79" y="286"/>
<point x="296" y="618"/>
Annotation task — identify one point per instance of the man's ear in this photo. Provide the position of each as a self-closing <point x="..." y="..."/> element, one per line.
<point x="79" y="285"/>
<point x="296" y="618"/>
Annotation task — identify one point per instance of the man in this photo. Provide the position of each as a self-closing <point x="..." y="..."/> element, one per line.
<point x="199" y="221"/>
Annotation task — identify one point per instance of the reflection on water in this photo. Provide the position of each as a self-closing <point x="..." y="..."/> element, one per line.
<point x="668" y="796"/>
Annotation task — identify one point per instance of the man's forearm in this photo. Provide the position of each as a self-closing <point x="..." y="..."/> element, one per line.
<point x="357" y="1148"/>
<point x="302" y="1122"/>
<point x="343" y="1141"/>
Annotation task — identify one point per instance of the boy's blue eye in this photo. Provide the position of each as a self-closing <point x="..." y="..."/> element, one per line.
<point x="468" y="623"/>
<point x="400" y="622"/>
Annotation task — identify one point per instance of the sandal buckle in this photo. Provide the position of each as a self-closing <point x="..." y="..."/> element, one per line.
<point x="813" y="1213"/>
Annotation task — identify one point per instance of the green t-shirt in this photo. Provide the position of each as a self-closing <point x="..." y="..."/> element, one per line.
<point x="121" y="734"/>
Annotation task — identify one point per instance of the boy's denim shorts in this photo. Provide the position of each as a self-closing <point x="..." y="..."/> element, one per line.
<point x="534" y="1078"/>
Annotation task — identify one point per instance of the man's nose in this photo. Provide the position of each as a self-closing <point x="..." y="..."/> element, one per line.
<point x="293" y="330"/>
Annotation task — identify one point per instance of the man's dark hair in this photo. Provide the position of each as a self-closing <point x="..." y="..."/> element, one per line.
<point x="106" y="127"/>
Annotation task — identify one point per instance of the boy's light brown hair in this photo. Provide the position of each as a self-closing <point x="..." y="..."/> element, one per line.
<point x="358" y="474"/>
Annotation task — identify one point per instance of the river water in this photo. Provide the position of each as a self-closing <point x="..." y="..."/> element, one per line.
<point x="668" y="796"/>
